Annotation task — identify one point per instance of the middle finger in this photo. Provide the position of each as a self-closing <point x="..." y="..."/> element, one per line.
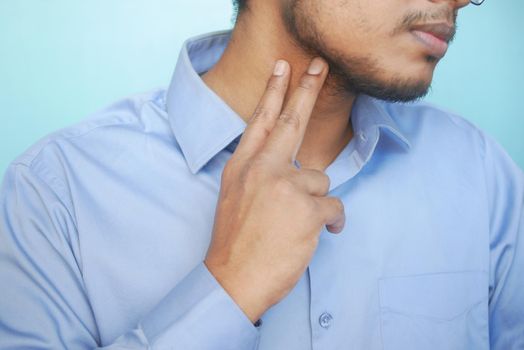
<point x="288" y="133"/>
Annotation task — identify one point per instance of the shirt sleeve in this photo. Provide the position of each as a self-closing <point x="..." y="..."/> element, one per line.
<point x="505" y="189"/>
<point x="43" y="301"/>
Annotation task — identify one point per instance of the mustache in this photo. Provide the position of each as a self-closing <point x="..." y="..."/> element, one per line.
<point x="424" y="17"/>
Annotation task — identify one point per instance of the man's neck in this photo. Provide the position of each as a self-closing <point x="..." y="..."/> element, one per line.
<point x="241" y="74"/>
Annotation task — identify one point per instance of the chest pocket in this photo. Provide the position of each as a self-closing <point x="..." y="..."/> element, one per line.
<point x="444" y="311"/>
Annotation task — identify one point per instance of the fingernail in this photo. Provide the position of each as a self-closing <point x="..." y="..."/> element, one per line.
<point x="316" y="67"/>
<point x="280" y="68"/>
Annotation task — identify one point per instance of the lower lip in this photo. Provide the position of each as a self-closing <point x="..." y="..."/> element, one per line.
<point x="437" y="47"/>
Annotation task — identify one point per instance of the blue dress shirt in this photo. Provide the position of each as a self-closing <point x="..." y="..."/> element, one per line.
<point x="104" y="226"/>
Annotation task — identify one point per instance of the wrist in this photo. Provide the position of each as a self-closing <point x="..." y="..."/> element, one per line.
<point x="247" y="295"/>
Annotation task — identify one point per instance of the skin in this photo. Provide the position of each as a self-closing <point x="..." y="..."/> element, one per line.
<point x="270" y="214"/>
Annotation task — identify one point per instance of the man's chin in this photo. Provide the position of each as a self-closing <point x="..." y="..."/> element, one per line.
<point x="364" y="76"/>
<point x="404" y="94"/>
<point x="398" y="91"/>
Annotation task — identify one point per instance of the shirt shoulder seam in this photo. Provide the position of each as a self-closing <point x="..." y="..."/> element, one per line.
<point x="27" y="158"/>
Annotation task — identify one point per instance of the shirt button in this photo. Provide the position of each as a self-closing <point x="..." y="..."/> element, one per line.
<point x="362" y="136"/>
<point x="325" y="320"/>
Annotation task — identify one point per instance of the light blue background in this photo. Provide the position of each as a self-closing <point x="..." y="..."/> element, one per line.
<point x="62" y="60"/>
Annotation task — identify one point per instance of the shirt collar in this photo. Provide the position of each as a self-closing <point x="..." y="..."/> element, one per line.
<point x="371" y="120"/>
<point x="204" y="124"/>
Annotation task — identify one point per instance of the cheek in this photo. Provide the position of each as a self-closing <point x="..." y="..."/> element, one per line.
<point x="357" y="28"/>
<point x="363" y="29"/>
<point x="397" y="54"/>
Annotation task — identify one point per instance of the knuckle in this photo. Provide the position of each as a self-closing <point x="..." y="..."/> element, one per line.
<point x="321" y="180"/>
<point x="307" y="206"/>
<point x="307" y="83"/>
<point x="273" y="86"/>
<point x="319" y="212"/>
<point x="259" y="171"/>
<point x="327" y="181"/>
<point x="310" y="206"/>
<point x="338" y="205"/>
<point x="321" y="175"/>
<point x="290" y="117"/>
<point x="261" y="113"/>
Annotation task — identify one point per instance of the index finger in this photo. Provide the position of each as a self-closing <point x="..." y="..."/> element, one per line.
<point x="288" y="133"/>
<point x="266" y="113"/>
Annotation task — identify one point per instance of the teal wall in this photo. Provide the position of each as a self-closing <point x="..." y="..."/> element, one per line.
<point x="61" y="60"/>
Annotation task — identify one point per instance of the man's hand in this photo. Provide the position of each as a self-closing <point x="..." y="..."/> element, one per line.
<point x="270" y="214"/>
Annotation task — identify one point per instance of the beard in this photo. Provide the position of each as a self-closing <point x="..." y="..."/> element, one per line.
<point x="351" y="74"/>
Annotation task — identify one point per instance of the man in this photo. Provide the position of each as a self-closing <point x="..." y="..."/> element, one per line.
<point x="281" y="194"/>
